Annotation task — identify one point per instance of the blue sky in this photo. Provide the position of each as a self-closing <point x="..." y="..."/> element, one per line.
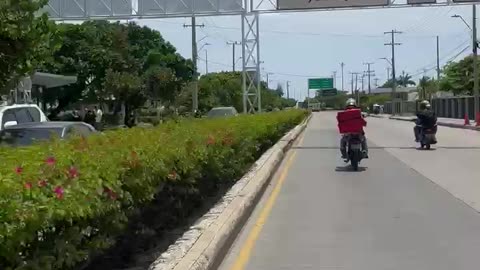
<point x="295" y="46"/>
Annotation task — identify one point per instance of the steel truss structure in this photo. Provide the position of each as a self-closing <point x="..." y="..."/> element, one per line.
<point x="249" y="10"/>
<point x="251" y="63"/>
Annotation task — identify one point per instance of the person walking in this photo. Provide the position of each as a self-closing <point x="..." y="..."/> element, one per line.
<point x="98" y="118"/>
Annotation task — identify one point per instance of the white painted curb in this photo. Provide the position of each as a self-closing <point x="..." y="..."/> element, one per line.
<point x="205" y="244"/>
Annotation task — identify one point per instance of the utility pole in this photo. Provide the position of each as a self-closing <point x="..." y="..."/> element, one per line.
<point x="288" y="89"/>
<point x="352" y="82"/>
<point x="363" y="81"/>
<point x="475" y="67"/>
<point x="342" y="65"/>
<point x="356" y="88"/>
<point x="438" y="58"/>
<point x="394" y="79"/>
<point x="268" y="78"/>
<point x="376" y="82"/>
<point x="369" y="74"/>
<point x="233" y="43"/>
<point x="354" y="85"/>
<point x="388" y="73"/>
<point x="194" y="26"/>
<point x="206" y="62"/>
<point x="334" y="79"/>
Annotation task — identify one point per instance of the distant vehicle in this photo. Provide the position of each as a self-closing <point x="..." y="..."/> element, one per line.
<point x="29" y="133"/>
<point x="12" y="115"/>
<point x="222" y="112"/>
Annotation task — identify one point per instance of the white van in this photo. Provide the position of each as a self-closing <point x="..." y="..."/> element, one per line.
<point x="20" y="113"/>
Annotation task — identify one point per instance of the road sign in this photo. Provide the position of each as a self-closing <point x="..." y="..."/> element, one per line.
<point x="314" y="4"/>
<point x="419" y="2"/>
<point x="320" y="83"/>
<point x="328" y="92"/>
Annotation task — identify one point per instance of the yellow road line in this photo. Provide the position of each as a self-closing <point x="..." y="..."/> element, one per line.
<point x="247" y="248"/>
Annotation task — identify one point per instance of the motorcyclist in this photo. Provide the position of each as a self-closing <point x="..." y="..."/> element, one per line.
<point x="351" y="104"/>
<point x="426" y="118"/>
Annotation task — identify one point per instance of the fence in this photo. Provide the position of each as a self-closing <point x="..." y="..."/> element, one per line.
<point x="450" y="107"/>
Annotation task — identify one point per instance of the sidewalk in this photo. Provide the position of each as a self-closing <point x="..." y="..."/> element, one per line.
<point x="446" y="122"/>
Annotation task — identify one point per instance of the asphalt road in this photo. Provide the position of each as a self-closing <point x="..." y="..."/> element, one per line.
<point x="405" y="210"/>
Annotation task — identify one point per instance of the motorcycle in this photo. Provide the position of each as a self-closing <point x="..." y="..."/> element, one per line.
<point x="428" y="137"/>
<point x="354" y="150"/>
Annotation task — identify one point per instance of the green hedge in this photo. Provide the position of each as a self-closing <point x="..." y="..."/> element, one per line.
<point x="62" y="203"/>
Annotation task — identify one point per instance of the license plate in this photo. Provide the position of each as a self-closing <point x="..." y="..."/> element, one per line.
<point x="355" y="147"/>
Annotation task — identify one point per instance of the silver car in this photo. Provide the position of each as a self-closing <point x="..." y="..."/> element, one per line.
<point x="222" y="112"/>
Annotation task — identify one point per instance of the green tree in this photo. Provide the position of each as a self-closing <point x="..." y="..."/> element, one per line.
<point x="126" y="88"/>
<point x="458" y="77"/>
<point x="427" y="87"/>
<point x="90" y="49"/>
<point x="25" y="39"/>
<point x="279" y="90"/>
<point x="225" y="89"/>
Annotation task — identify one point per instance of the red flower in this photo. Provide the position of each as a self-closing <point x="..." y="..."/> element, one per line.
<point x="72" y="172"/>
<point x="18" y="170"/>
<point x="227" y="141"/>
<point x="59" y="192"/>
<point x="210" y="140"/>
<point x="42" y="183"/>
<point x="111" y="194"/>
<point x="50" y="161"/>
<point x="28" y="185"/>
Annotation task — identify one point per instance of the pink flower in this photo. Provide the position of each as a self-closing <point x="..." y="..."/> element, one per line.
<point x="59" y="192"/>
<point x="28" y="185"/>
<point x="18" y="170"/>
<point x="72" y="172"/>
<point x="42" y="183"/>
<point x="50" y="161"/>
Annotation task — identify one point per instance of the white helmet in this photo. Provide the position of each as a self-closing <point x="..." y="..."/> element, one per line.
<point x="425" y="104"/>
<point x="351" y="102"/>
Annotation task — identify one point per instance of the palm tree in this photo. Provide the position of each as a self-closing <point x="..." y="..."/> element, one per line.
<point x="427" y="87"/>
<point x="405" y="80"/>
<point x="422" y="87"/>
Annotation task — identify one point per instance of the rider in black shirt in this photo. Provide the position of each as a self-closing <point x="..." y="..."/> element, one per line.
<point x="426" y="118"/>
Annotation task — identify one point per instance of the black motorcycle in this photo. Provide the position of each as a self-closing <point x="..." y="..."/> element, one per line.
<point x="354" y="150"/>
<point x="428" y="137"/>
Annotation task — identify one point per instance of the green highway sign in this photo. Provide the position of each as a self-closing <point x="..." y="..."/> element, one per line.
<point x="320" y="83"/>
<point x="328" y="92"/>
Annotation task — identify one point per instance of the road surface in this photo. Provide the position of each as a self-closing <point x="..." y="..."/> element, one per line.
<point x="405" y="210"/>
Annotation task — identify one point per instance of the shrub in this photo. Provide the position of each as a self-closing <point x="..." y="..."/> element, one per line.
<point x="63" y="202"/>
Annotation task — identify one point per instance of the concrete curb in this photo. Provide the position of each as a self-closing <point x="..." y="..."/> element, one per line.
<point x="443" y="124"/>
<point x="206" y="243"/>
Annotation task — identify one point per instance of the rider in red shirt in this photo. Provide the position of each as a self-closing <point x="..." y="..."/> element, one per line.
<point x="351" y="105"/>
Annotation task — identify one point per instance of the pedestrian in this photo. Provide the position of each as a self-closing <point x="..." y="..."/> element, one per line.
<point x="89" y="117"/>
<point x="98" y="118"/>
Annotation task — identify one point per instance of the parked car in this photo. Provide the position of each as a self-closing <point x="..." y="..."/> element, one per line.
<point x="29" y="133"/>
<point x="20" y="113"/>
<point x="222" y="112"/>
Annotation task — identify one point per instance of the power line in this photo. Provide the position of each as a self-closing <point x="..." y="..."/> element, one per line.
<point x="322" y="34"/>
<point x="446" y="55"/>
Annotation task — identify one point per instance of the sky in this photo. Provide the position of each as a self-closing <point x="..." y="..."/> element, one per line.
<point x="296" y="46"/>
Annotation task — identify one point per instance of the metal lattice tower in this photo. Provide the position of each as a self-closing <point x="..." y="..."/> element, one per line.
<point x="251" y="63"/>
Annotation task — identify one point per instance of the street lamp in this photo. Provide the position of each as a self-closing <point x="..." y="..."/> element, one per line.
<point x="206" y="56"/>
<point x="386" y="59"/>
<point x="465" y="22"/>
<point x="206" y="44"/>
